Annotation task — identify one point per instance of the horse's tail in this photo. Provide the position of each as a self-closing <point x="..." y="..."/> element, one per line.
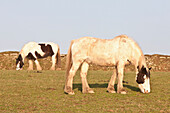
<point x="68" y="62"/>
<point x="58" y="57"/>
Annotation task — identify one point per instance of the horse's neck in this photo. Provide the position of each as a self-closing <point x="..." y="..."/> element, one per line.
<point x="142" y="62"/>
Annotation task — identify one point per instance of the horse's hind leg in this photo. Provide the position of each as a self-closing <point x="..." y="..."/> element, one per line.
<point x="30" y="65"/>
<point x="110" y="87"/>
<point x="120" y="70"/>
<point x="83" y="74"/>
<point x="38" y="65"/>
<point x="53" y="62"/>
<point x="69" y="82"/>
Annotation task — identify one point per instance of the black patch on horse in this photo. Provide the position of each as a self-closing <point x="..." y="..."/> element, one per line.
<point x="30" y="56"/>
<point x="47" y="49"/>
<point x="141" y="74"/>
<point x="39" y="56"/>
<point x="19" y="59"/>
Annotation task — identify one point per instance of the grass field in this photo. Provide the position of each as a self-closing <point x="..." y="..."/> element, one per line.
<point x="32" y="91"/>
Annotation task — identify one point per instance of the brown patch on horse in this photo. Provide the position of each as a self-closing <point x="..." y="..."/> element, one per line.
<point x="30" y="56"/>
<point x="47" y="49"/>
<point x="140" y="76"/>
<point x="38" y="55"/>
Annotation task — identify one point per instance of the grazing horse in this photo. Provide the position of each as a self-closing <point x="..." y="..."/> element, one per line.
<point x="32" y="51"/>
<point x="117" y="52"/>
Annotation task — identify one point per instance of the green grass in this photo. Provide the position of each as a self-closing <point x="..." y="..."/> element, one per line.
<point x="32" y="91"/>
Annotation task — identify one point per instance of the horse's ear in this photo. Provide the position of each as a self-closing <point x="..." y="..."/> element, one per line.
<point x="150" y="68"/>
<point x="143" y="67"/>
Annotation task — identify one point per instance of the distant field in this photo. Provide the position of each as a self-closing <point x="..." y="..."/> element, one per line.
<point x="32" y="91"/>
<point x="157" y="62"/>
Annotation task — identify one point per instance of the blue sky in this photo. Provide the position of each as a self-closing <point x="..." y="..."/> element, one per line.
<point x="60" y="21"/>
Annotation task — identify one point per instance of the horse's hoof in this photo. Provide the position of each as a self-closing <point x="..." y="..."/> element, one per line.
<point x="58" y="69"/>
<point x="111" y="91"/>
<point x="52" y="69"/>
<point x="91" y="91"/>
<point x="68" y="90"/>
<point x="71" y="93"/>
<point x="123" y="92"/>
<point x="88" y="90"/>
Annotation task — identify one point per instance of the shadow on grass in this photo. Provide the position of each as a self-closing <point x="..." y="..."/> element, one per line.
<point x="79" y="86"/>
<point x="132" y="88"/>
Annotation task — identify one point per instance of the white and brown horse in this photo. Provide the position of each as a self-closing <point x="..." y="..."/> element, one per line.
<point x="32" y="51"/>
<point x="117" y="52"/>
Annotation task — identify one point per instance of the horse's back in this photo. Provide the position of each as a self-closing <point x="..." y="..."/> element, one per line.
<point x="48" y="48"/>
<point x="29" y="47"/>
<point x="30" y="44"/>
<point x="96" y="46"/>
<point x="105" y="51"/>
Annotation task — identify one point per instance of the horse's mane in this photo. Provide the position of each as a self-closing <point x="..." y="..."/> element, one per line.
<point x="141" y="61"/>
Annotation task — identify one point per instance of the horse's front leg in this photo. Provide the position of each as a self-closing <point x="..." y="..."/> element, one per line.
<point x="111" y="84"/>
<point x="83" y="74"/>
<point x="38" y="65"/>
<point x="120" y="70"/>
<point x="30" y="65"/>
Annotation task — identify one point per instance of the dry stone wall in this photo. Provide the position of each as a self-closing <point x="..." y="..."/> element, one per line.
<point x="157" y="62"/>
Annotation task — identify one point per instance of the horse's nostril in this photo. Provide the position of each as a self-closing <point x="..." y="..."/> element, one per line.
<point x="146" y="91"/>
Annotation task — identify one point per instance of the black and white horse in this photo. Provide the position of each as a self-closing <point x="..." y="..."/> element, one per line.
<point x="32" y="51"/>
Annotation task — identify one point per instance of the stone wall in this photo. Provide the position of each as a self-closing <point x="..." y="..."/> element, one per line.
<point x="157" y="62"/>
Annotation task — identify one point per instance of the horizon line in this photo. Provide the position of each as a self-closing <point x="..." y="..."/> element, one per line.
<point x="158" y="53"/>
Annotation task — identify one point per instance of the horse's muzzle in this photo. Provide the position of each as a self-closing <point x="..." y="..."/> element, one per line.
<point x="146" y="91"/>
<point x="17" y="68"/>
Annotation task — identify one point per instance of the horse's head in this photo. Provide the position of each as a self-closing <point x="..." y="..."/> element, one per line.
<point x="19" y="62"/>
<point x="143" y="79"/>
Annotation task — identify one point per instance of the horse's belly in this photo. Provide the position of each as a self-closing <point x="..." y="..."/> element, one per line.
<point x="101" y="61"/>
